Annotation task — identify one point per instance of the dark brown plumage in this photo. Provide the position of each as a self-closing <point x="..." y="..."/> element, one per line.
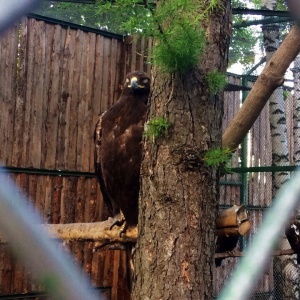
<point x="225" y="244"/>
<point x="118" y="149"/>
<point x="292" y="232"/>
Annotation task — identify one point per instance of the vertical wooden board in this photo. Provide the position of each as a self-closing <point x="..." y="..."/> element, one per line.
<point x="8" y="107"/>
<point x="28" y="95"/>
<point x="139" y="54"/>
<point x="92" y="211"/>
<point x="88" y="258"/>
<point x="37" y="78"/>
<point x="106" y="100"/>
<point x="7" y="271"/>
<point x="77" y="248"/>
<point x="74" y="117"/>
<point x="120" y="74"/>
<point x="101" y="211"/>
<point x="32" y="188"/>
<point x="18" y="277"/>
<point x="5" y="102"/>
<point x="88" y="127"/>
<point x="108" y="268"/>
<point x="133" y="55"/>
<point x="40" y="196"/>
<point x="18" y="140"/>
<point x="69" y="200"/>
<point x="225" y="120"/>
<point x="53" y="109"/>
<point x="123" y="279"/>
<point x="115" y="267"/>
<point x="48" y="198"/>
<point x="66" y="134"/>
<point x="96" y="94"/>
<point x="118" y="70"/>
<point x="82" y="102"/>
<point x="80" y="200"/>
<point x="98" y="78"/>
<point x="57" y="186"/>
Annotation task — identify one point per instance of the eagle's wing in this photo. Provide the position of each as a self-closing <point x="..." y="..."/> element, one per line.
<point x="97" y="164"/>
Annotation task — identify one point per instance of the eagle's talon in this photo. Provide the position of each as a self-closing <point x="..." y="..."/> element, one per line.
<point x="120" y="222"/>
<point x="116" y="223"/>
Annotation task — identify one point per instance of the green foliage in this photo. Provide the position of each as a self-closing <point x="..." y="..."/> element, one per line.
<point x="156" y="127"/>
<point x="218" y="158"/>
<point x="174" y="23"/>
<point x="174" y="53"/>
<point x="241" y="48"/>
<point x="216" y="82"/>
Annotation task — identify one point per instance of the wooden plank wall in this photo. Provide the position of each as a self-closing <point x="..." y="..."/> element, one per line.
<point x="54" y="83"/>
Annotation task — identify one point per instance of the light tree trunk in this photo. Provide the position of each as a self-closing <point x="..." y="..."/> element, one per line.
<point x="178" y="196"/>
<point x="284" y="286"/>
<point x="296" y="111"/>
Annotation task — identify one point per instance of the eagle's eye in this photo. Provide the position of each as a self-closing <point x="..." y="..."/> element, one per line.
<point x="145" y="80"/>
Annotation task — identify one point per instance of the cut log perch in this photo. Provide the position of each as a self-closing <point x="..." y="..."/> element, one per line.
<point x="98" y="231"/>
<point x="233" y="221"/>
<point x="242" y="230"/>
<point x="232" y="216"/>
<point x="271" y="77"/>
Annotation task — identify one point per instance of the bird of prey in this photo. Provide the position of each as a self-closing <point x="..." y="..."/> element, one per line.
<point x="292" y="232"/>
<point x="118" y="150"/>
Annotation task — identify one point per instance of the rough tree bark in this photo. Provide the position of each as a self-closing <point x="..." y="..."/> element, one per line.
<point x="178" y="196"/>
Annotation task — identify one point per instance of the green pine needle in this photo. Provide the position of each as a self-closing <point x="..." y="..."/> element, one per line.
<point x="218" y="158"/>
<point x="156" y="127"/>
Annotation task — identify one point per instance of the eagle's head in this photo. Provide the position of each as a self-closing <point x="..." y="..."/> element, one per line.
<point x="137" y="82"/>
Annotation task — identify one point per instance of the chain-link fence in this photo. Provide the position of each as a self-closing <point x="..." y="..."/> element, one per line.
<point x="266" y="158"/>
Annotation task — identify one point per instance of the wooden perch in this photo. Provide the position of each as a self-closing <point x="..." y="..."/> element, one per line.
<point x="233" y="216"/>
<point x="242" y="230"/>
<point x="271" y="77"/>
<point x="233" y="221"/>
<point x="98" y="231"/>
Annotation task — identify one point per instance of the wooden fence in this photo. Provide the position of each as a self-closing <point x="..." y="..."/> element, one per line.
<point x="54" y="83"/>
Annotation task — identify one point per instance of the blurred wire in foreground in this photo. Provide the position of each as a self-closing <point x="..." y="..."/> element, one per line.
<point x="53" y="269"/>
<point x="246" y="275"/>
<point x="12" y="10"/>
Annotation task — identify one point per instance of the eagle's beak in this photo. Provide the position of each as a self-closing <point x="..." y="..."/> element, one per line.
<point x="133" y="83"/>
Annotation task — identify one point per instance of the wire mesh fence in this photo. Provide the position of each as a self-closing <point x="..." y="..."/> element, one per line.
<point x="265" y="160"/>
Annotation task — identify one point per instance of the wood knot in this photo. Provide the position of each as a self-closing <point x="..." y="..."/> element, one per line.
<point x="192" y="160"/>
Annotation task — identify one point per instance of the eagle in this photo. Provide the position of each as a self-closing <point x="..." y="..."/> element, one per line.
<point x="118" y="150"/>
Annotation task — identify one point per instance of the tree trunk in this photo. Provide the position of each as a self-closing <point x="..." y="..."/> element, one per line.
<point x="296" y="115"/>
<point x="178" y="196"/>
<point x="283" y="278"/>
